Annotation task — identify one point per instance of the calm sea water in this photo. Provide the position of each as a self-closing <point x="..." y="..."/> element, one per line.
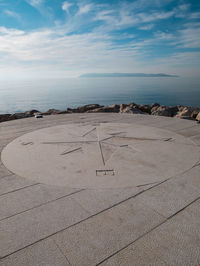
<point x="17" y="96"/>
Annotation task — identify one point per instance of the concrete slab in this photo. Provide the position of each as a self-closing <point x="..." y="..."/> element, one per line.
<point x="29" y="227"/>
<point x="100" y="236"/>
<point x="4" y="171"/>
<point x="12" y="183"/>
<point x="42" y="253"/>
<point x="196" y="139"/>
<point x="192" y="177"/>
<point x="176" y="241"/>
<point x="191" y="131"/>
<point x="171" y="196"/>
<point x="97" y="200"/>
<point x="134" y="254"/>
<point x="30" y="197"/>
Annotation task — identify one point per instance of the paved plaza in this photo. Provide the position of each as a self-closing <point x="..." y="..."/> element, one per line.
<point x="100" y="189"/>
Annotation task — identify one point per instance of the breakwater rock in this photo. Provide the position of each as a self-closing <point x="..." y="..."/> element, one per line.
<point x="184" y="112"/>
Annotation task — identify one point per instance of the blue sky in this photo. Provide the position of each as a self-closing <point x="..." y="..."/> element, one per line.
<point x="54" y="38"/>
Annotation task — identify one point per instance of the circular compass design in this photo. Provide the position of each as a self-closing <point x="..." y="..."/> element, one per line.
<point x="99" y="156"/>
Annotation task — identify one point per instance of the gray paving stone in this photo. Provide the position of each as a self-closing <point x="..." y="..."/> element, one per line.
<point x="170" y="197"/>
<point x="196" y="139"/>
<point x="96" y="200"/>
<point x="192" y="177"/>
<point x="24" y="229"/>
<point x="136" y="255"/>
<point x="177" y="241"/>
<point x="4" y="171"/>
<point x="100" y="236"/>
<point x="13" y="182"/>
<point x="43" y="253"/>
<point x="191" y="131"/>
<point x="30" y="197"/>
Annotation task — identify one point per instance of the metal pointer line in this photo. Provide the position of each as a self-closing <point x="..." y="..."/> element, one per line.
<point x="100" y="148"/>
<point x="164" y="139"/>
<point x="66" y="152"/>
<point x="117" y="133"/>
<point x="68" y="142"/>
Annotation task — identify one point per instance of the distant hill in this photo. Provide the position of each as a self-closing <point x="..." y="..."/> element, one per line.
<point x="121" y="75"/>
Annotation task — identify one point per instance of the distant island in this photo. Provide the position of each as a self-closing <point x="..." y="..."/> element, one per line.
<point x="122" y="75"/>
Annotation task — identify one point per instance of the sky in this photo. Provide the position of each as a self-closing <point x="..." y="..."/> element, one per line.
<point x="59" y="39"/>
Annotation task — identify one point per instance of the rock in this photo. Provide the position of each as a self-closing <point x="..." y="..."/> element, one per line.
<point x="155" y="104"/>
<point x="106" y="109"/>
<point x="4" y="117"/>
<point x="31" y="113"/>
<point x="145" y="108"/>
<point x="53" y="112"/>
<point x="84" y="108"/>
<point x="164" y="110"/>
<point x="198" y="117"/>
<point x="124" y="106"/>
<point x="195" y="113"/>
<point x="188" y="112"/>
<point x="131" y="110"/>
<point x="88" y="107"/>
<point x="18" y="116"/>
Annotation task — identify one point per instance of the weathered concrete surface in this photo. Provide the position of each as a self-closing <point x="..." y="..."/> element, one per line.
<point x="133" y="224"/>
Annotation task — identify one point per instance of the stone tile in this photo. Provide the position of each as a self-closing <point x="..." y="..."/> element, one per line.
<point x="96" y="200"/>
<point x="192" y="177"/>
<point x="191" y="131"/>
<point x="13" y="182"/>
<point x="179" y="124"/>
<point x="30" y="197"/>
<point x="43" y="253"/>
<point x="4" y="171"/>
<point x="29" y="227"/>
<point x="100" y="236"/>
<point x="134" y="254"/>
<point x="196" y="139"/>
<point x="177" y="241"/>
<point x="170" y="197"/>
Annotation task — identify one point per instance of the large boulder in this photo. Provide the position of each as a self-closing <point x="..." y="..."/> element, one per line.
<point x="131" y="110"/>
<point x="4" y="117"/>
<point x="31" y="112"/>
<point x="53" y="112"/>
<point x="155" y="104"/>
<point x="198" y="117"/>
<point x="164" y="110"/>
<point x="106" y="109"/>
<point x="145" y="108"/>
<point x="18" y="116"/>
<point x="124" y="106"/>
<point x="188" y="112"/>
<point x="84" y="108"/>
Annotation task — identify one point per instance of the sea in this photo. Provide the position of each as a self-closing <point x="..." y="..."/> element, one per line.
<point x="23" y="95"/>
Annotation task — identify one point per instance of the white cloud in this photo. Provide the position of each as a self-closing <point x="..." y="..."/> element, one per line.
<point x="84" y="9"/>
<point x="35" y="3"/>
<point x="164" y="36"/>
<point x="66" y="6"/>
<point x="147" y="27"/>
<point x="12" y="14"/>
<point x="47" y="50"/>
<point x="11" y="32"/>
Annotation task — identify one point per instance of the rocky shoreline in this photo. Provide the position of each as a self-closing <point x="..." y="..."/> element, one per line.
<point x="184" y="112"/>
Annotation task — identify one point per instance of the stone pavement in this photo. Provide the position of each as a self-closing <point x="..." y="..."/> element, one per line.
<point x="151" y="224"/>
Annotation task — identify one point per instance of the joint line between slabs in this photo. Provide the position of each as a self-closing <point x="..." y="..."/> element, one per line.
<point x="93" y="215"/>
<point x="166" y="219"/>
<point x="45" y="203"/>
